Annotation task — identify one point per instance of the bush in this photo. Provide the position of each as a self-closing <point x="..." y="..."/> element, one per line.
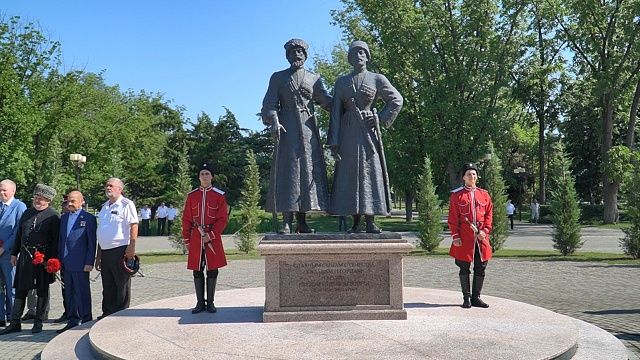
<point x="564" y="205"/>
<point x="429" y="225"/>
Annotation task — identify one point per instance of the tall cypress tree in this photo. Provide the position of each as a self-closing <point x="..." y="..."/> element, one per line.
<point x="249" y="211"/>
<point x="564" y="204"/>
<point x="494" y="183"/>
<point x="631" y="242"/>
<point x="429" y="213"/>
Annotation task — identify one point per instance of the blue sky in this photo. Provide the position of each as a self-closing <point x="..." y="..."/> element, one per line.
<point x="200" y="54"/>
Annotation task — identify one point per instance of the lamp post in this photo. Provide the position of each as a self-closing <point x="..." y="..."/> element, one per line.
<point x="78" y="161"/>
<point x="520" y="173"/>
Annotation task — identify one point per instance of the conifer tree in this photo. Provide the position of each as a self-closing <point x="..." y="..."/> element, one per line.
<point x="177" y="196"/>
<point x="494" y="183"/>
<point x="249" y="210"/>
<point x="429" y="213"/>
<point x="631" y="242"/>
<point x="564" y="204"/>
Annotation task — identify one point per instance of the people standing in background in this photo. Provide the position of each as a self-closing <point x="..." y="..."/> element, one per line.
<point x="145" y="217"/>
<point x="171" y="216"/>
<point x="535" y="210"/>
<point x="161" y="215"/>
<point x="511" y="210"/>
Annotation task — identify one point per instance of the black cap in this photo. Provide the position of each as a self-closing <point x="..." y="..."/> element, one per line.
<point x="469" y="166"/>
<point x="206" y="166"/>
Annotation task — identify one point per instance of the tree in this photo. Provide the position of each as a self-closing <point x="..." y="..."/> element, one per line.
<point x="564" y="204"/>
<point x="429" y="212"/>
<point x="494" y="184"/>
<point x="180" y="188"/>
<point x="249" y="210"/>
<point x="631" y="242"/>
<point x="604" y="37"/>
<point x="537" y="75"/>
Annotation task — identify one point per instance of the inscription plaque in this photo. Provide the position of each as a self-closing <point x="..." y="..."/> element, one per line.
<point x="334" y="283"/>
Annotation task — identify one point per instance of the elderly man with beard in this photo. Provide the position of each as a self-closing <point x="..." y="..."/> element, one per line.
<point x="37" y="233"/>
<point x="117" y="234"/>
<point x="298" y="181"/>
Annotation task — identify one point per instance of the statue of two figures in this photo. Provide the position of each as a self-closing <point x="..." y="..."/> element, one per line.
<point x="298" y="182"/>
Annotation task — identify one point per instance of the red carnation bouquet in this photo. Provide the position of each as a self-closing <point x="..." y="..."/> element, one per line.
<point x="38" y="258"/>
<point x="53" y="267"/>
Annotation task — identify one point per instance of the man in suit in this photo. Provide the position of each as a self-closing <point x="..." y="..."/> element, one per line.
<point x="77" y="251"/>
<point x="11" y="210"/>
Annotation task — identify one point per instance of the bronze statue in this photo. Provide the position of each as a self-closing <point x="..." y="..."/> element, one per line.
<point x="298" y="181"/>
<point x="361" y="183"/>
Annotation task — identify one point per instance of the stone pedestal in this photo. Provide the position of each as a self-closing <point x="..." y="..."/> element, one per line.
<point x="317" y="277"/>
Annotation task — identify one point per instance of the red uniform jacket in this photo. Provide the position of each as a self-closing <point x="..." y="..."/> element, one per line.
<point x="206" y="208"/>
<point x="468" y="207"/>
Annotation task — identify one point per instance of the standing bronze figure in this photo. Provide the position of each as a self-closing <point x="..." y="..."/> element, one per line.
<point x="361" y="184"/>
<point x="298" y="181"/>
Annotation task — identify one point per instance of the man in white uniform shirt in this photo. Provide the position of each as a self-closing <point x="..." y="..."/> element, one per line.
<point x="145" y="217"/>
<point x="161" y="215"/>
<point x="117" y="233"/>
<point x="171" y="215"/>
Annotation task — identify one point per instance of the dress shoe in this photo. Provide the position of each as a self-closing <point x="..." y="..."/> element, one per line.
<point x="65" y="328"/>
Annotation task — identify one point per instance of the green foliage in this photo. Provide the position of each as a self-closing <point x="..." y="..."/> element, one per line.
<point x="429" y="212"/>
<point x="493" y="182"/>
<point x="564" y="204"/>
<point x="249" y="205"/>
<point x="631" y="242"/>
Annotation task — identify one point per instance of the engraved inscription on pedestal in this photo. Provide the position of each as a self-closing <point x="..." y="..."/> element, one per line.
<point x="334" y="283"/>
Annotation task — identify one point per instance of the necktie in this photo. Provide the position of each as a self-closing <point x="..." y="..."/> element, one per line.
<point x="4" y="206"/>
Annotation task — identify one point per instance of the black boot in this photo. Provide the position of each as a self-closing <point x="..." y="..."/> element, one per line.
<point x="199" y="284"/>
<point x="356" y="225"/>
<point x="41" y="307"/>
<point x="466" y="291"/>
<point x="287" y="219"/>
<point x="301" y="226"/>
<point x="477" y="289"/>
<point x="15" y="325"/>
<point x="211" y="291"/>
<point x="372" y="228"/>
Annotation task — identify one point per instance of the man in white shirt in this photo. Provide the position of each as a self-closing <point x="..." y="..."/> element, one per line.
<point x="171" y="215"/>
<point x="511" y="209"/>
<point x="145" y="217"/>
<point x="161" y="215"/>
<point x="117" y="233"/>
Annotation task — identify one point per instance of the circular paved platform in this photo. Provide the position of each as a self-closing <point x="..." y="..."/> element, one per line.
<point x="437" y="328"/>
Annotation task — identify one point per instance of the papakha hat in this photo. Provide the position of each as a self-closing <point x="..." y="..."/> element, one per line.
<point x="469" y="166"/>
<point x="359" y="44"/>
<point x="293" y="43"/>
<point x="206" y="166"/>
<point x="44" y="191"/>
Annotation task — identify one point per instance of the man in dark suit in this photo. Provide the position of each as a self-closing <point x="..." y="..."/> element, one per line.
<point x="77" y="251"/>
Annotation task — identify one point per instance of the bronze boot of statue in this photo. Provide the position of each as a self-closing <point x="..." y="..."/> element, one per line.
<point x="301" y="224"/>
<point x="287" y="219"/>
<point x="356" y="225"/>
<point x="372" y="228"/>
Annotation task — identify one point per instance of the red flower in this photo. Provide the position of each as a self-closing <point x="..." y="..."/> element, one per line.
<point x="53" y="265"/>
<point x="38" y="258"/>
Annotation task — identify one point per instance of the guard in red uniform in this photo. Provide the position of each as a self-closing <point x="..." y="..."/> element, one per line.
<point x="204" y="217"/>
<point x="470" y="221"/>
